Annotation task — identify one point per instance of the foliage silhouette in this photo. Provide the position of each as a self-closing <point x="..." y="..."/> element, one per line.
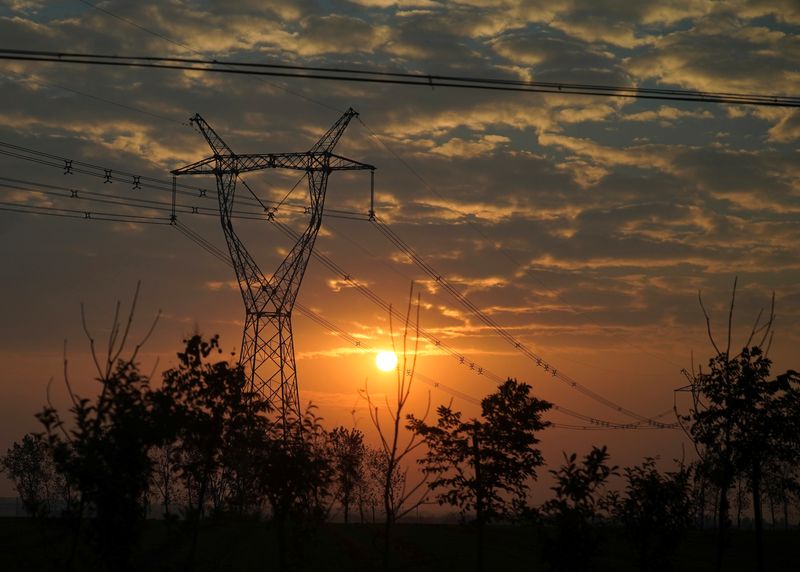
<point x="485" y="466"/>
<point x="578" y="503"/>
<point x="296" y="476"/>
<point x="348" y="454"/>
<point x="105" y="455"/>
<point x="741" y="420"/>
<point x="29" y="465"/>
<point x="656" y="511"/>
<point x="217" y="426"/>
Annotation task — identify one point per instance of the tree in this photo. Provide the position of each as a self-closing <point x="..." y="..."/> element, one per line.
<point x="485" y="466"/>
<point x="104" y="451"/>
<point x="295" y="475"/>
<point x="348" y="456"/>
<point x="162" y="480"/>
<point x="741" y="420"/>
<point x="29" y="465"/>
<point x="398" y="500"/>
<point x="219" y="427"/>
<point x="369" y="491"/>
<point x="106" y="455"/>
<point x="578" y="502"/>
<point x="656" y="510"/>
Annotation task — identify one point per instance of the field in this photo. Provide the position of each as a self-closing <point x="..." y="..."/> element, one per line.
<point x="243" y="546"/>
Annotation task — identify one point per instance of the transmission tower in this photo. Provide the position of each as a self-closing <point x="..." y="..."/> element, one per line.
<point x="267" y="345"/>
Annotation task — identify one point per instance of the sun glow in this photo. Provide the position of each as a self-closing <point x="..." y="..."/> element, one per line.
<point x="386" y="361"/>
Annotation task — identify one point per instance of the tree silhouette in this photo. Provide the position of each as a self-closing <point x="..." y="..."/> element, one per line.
<point x="656" y="510"/>
<point x="741" y="420"/>
<point x="29" y="465"/>
<point x="218" y="427"/>
<point x="296" y="475"/>
<point x="484" y="466"/>
<point x="578" y="501"/>
<point x="104" y="451"/>
<point x="348" y="456"/>
<point x="105" y="454"/>
<point x="399" y="498"/>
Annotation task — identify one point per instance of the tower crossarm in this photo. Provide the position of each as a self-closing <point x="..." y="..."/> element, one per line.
<point x="245" y="163"/>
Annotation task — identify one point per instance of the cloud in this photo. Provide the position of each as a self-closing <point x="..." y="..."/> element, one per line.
<point x="24" y="5"/>
<point x="786" y="124"/>
<point x="724" y="56"/>
<point x="666" y="115"/>
<point x="460" y="148"/>
<point x="336" y="34"/>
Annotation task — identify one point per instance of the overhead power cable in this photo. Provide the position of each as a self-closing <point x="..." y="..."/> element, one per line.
<point x="136" y="181"/>
<point x="596" y="423"/>
<point x="516" y="343"/>
<point x="321" y="69"/>
<point x="477" y="229"/>
<point x="360" y="344"/>
<point x="80" y="214"/>
<point x="396" y="78"/>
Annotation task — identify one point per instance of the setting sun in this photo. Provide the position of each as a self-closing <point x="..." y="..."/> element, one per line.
<point x="386" y="361"/>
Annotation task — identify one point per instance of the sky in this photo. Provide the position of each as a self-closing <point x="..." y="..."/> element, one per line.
<point x="584" y="226"/>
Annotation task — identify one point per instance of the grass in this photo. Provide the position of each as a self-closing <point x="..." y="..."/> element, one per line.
<point x="28" y="546"/>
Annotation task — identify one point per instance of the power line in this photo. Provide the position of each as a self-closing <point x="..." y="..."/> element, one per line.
<point x="408" y="79"/>
<point x="369" y="294"/>
<point x="217" y="253"/>
<point x="136" y="182"/>
<point x="497" y="328"/>
<point x="76" y="194"/>
<point x="80" y="214"/>
<point x="476" y="228"/>
<point x="165" y="207"/>
<point x="109" y="175"/>
<point x="597" y="423"/>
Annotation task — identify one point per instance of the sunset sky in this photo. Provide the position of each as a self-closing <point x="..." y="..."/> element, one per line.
<point x="585" y="226"/>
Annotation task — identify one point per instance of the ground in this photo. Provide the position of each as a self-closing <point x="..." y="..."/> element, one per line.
<point x="243" y="546"/>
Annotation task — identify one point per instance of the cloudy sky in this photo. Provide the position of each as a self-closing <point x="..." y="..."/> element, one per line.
<point x="584" y="226"/>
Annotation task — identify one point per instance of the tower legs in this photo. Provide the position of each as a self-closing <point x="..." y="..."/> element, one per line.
<point x="268" y="358"/>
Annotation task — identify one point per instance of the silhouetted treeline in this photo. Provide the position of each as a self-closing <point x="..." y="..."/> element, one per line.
<point x="203" y="447"/>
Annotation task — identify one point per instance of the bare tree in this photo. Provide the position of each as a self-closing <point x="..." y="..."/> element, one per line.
<point x="397" y="442"/>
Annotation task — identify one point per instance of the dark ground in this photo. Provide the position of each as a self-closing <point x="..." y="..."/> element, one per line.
<point x="243" y="546"/>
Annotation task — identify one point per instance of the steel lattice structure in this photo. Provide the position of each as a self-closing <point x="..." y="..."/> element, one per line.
<point x="267" y="344"/>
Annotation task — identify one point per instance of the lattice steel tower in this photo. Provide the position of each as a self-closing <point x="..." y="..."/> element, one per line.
<point x="267" y="346"/>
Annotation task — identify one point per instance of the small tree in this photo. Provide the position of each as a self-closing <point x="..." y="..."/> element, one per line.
<point x="296" y="475"/>
<point x="104" y="451"/>
<point x="398" y="500"/>
<point x="163" y="478"/>
<point x="218" y="426"/>
<point x="655" y="510"/>
<point x="577" y="504"/>
<point x="370" y="489"/>
<point x="348" y="456"/>
<point x="485" y="466"/>
<point x="29" y="465"/>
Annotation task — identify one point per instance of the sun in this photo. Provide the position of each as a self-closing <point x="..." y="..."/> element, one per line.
<point x="386" y="361"/>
